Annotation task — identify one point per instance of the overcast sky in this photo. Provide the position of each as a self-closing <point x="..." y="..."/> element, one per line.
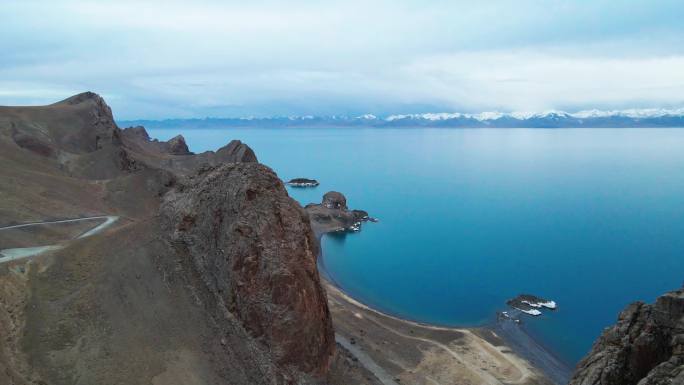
<point x="167" y="59"/>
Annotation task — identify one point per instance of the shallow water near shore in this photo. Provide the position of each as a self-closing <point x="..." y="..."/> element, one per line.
<point x="590" y="218"/>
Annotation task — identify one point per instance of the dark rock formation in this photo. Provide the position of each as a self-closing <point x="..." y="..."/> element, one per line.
<point x="303" y="182"/>
<point x="332" y="215"/>
<point x="138" y="132"/>
<point x="235" y="151"/>
<point x="645" y="347"/>
<point x="254" y="250"/>
<point x="177" y="146"/>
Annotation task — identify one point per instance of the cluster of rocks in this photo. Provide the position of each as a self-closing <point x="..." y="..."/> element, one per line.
<point x="333" y="215"/>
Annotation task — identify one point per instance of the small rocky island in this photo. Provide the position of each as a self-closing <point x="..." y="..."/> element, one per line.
<point x="530" y="304"/>
<point x="332" y="215"/>
<point x="302" y="182"/>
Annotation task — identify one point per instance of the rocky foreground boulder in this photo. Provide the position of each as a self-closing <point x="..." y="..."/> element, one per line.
<point x="645" y="347"/>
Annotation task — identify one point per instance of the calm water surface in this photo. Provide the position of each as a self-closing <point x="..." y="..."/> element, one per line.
<point x="592" y="218"/>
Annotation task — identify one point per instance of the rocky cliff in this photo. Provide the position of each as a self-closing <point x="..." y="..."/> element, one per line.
<point x="254" y="250"/>
<point x="645" y="347"/>
<point x="209" y="277"/>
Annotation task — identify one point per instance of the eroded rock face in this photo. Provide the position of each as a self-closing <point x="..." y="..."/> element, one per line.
<point x="254" y="249"/>
<point x="645" y="347"/>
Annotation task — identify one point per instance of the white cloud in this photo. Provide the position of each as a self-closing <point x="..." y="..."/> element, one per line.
<point x="160" y="59"/>
<point x="536" y="81"/>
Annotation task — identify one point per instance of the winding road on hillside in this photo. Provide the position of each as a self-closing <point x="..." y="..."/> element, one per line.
<point x="8" y="255"/>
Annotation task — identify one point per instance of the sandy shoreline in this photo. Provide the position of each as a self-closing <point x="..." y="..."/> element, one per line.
<point x="420" y="353"/>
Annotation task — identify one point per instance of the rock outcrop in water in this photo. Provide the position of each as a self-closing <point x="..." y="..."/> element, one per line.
<point x="645" y="347"/>
<point x="303" y="182"/>
<point x="332" y="215"/>
<point x="531" y="304"/>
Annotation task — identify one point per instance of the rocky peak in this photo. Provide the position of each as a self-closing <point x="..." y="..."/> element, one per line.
<point x="82" y="97"/>
<point x="236" y="151"/>
<point x="645" y="347"/>
<point x="100" y="112"/>
<point x="177" y="146"/>
<point x="138" y="132"/>
<point x="99" y="130"/>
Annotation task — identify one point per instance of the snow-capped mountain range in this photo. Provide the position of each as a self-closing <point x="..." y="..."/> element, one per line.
<point x="586" y="114"/>
<point x="651" y="117"/>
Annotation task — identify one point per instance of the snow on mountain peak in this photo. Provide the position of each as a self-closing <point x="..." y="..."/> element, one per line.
<point x="550" y="114"/>
<point x="367" y="117"/>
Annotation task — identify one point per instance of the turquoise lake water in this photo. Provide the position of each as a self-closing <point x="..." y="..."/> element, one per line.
<point x="591" y="218"/>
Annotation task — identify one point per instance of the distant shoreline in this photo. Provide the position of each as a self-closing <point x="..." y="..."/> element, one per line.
<point x="200" y="125"/>
<point x="636" y="117"/>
